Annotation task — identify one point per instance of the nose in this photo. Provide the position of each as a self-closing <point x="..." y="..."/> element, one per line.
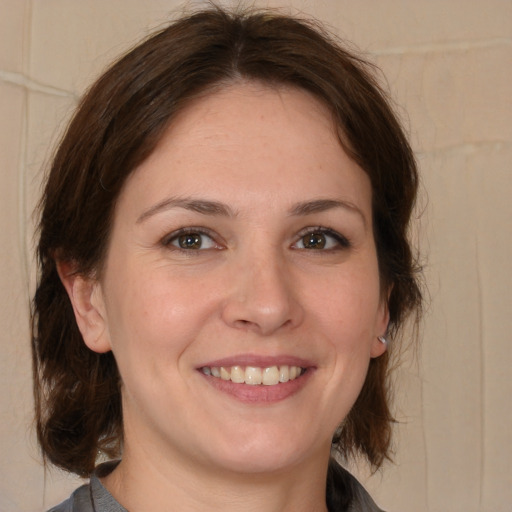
<point x="263" y="297"/>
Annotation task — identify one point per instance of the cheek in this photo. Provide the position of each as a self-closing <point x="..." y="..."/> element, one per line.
<point x="347" y="317"/>
<point x="350" y="307"/>
<point x="154" y="315"/>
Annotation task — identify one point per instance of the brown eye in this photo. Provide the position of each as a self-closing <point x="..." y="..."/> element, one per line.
<point x="314" y="241"/>
<point x="321" y="239"/>
<point x="190" y="241"/>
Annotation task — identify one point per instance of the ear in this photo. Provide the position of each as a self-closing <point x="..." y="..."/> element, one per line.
<point x="381" y="326"/>
<point x="86" y="298"/>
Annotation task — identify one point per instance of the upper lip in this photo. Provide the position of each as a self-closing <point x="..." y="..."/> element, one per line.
<point x="258" y="361"/>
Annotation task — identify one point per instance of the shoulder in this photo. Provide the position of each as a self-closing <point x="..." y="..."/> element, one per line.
<point x="345" y="493"/>
<point x="92" y="496"/>
<point x="79" y="501"/>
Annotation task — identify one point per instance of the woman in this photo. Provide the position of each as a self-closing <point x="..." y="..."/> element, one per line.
<point x="223" y="259"/>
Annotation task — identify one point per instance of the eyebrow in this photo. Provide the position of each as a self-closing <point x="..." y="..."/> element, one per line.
<point x="207" y="207"/>
<point x="322" y="205"/>
<point x="202" y="206"/>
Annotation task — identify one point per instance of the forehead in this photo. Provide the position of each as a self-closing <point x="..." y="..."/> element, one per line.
<point x="248" y="113"/>
<point x="252" y="138"/>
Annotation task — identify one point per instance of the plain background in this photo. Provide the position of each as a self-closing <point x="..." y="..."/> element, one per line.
<point x="448" y="65"/>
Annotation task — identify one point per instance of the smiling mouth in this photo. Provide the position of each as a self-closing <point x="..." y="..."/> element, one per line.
<point x="253" y="375"/>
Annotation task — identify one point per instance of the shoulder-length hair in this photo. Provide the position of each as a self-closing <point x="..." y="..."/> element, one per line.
<point x="118" y="124"/>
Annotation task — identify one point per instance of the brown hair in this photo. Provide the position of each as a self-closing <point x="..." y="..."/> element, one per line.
<point x="118" y="124"/>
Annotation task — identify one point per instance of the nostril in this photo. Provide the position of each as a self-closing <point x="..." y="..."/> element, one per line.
<point x="244" y="324"/>
<point x="262" y="309"/>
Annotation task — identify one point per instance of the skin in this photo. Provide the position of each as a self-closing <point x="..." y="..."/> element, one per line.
<point x="271" y="163"/>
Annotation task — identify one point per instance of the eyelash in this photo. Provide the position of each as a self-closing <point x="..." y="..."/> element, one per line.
<point x="168" y="240"/>
<point x="341" y="242"/>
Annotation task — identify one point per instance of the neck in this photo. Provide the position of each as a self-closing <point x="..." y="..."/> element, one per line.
<point x="162" y="484"/>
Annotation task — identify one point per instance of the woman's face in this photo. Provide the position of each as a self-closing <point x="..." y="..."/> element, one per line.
<point x="242" y="252"/>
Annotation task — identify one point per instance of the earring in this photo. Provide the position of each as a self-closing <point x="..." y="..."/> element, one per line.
<point x="382" y="339"/>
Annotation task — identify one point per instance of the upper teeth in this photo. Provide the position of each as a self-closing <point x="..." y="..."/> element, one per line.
<point x="254" y="375"/>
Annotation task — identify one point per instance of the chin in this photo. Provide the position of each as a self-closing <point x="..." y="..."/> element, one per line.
<point x="264" y="454"/>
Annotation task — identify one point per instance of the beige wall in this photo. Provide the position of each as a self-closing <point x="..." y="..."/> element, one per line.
<point x="449" y="65"/>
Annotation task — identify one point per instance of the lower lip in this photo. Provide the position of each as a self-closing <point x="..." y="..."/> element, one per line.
<point x="262" y="394"/>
